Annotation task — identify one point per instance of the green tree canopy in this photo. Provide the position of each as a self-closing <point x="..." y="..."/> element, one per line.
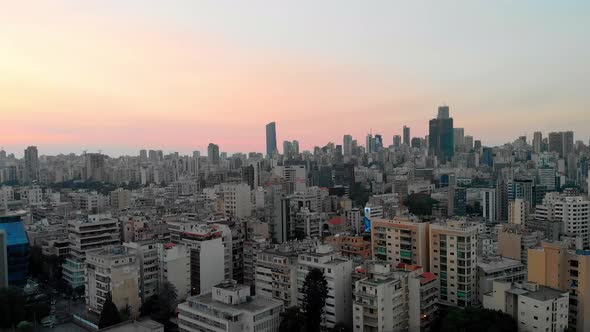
<point x="160" y="307"/>
<point x="291" y="320"/>
<point x="315" y="291"/>
<point x="420" y="204"/>
<point x="109" y="315"/>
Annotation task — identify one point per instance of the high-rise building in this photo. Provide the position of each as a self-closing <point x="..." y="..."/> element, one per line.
<point x="14" y="250"/>
<point x="370" y="144"/>
<point x="488" y="204"/>
<point x="394" y="297"/>
<point x="401" y="240"/>
<point x="337" y="271"/>
<point x="561" y="142"/>
<point x="443" y="112"/>
<point x="573" y="212"/>
<point x="271" y="139"/>
<point x="143" y="156"/>
<point x="555" y="266"/>
<point x="31" y="171"/>
<point x="174" y="267"/>
<point x="537" y="142"/>
<point x="237" y="199"/>
<point x="213" y="154"/>
<point x="515" y="240"/>
<point x="3" y="259"/>
<point x="458" y="137"/>
<point x="113" y="271"/>
<point x="95" y="231"/>
<point x="517" y="212"/>
<point x="453" y="259"/>
<point x="407" y="136"/>
<point x="397" y="141"/>
<point x="95" y="170"/>
<point x="347" y="146"/>
<point x="441" y="136"/>
<point x="468" y="142"/>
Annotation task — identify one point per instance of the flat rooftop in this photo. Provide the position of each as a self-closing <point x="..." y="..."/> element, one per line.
<point x="253" y="305"/>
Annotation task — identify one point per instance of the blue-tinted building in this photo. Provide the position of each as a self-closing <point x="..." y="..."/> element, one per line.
<point x="17" y="250"/>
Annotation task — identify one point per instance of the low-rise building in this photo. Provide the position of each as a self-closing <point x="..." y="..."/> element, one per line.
<point x="229" y="307"/>
<point x="534" y="307"/>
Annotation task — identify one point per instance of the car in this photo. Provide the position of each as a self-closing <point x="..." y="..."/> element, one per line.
<point x="49" y="321"/>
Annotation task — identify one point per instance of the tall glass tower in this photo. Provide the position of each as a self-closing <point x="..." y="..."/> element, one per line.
<point x="271" y="139"/>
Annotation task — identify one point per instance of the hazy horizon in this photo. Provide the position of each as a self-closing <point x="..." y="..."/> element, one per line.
<point x="177" y="75"/>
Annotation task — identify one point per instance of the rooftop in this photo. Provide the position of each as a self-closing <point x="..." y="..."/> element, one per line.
<point x="253" y="305"/>
<point x="537" y="292"/>
<point x="146" y="325"/>
<point x="496" y="263"/>
<point x="15" y="233"/>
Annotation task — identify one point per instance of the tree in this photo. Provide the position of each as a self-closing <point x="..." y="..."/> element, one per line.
<point x="12" y="307"/>
<point x="291" y="320"/>
<point x="109" y="315"/>
<point x="167" y="298"/>
<point x="160" y="307"/>
<point x="315" y="291"/>
<point x="150" y="305"/>
<point x="476" y="319"/>
<point x="125" y="313"/>
<point x="420" y="204"/>
<point x="25" y="326"/>
<point x="79" y="291"/>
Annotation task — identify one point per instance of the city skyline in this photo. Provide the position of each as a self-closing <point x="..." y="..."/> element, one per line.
<point x="174" y="77"/>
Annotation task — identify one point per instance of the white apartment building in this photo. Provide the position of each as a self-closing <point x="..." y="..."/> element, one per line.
<point x="115" y="270"/>
<point x="175" y="267"/>
<point x="534" y="307"/>
<point x="93" y="232"/>
<point x="276" y="274"/>
<point x="295" y="177"/>
<point x="229" y="307"/>
<point x="337" y="271"/>
<point x="572" y="211"/>
<point x="237" y="199"/>
<point x="147" y="254"/>
<point x="210" y="252"/>
<point x="394" y="299"/>
<point x="488" y="204"/>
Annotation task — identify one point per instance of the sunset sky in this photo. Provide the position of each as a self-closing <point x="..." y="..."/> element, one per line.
<point x="121" y="75"/>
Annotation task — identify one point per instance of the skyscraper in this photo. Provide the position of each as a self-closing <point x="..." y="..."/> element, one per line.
<point x="397" y="140"/>
<point x="458" y="137"/>
<point x="370" y="143"/>
<point x="561" y="142"/>
<point x="95" y="167"/>
<point x="31" y="172"/>
<point x="537" y="142"/>
<point x="407" y="136"/>
<point x="271" y="139"/>
<point x="213" y="153"/>
<point x="347" y="146"/>
<point x="441" y="136"/>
